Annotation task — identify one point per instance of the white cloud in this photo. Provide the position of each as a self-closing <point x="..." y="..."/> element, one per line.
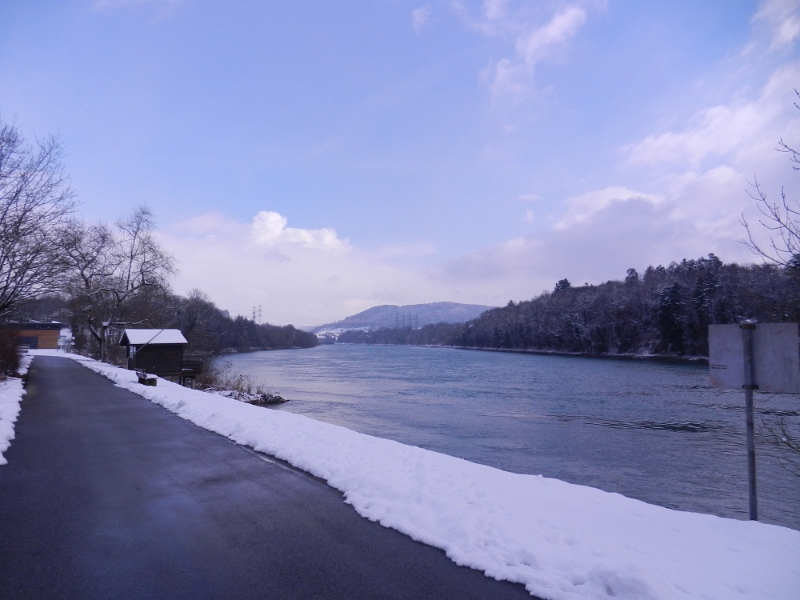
<point x="536" y="44"/>
<point x="782" y="19"/>
<point x="580" y="208"/>
<point x="302" y="276"/>
<point x="727" y="132"/>
<point x="697" y="180"/>
<point x="704" y="168"/>
<point x="511" y="76"/>
<point x="626" y="233"/>
<point x="269" y="229"/>
<point x="420" y="18"/>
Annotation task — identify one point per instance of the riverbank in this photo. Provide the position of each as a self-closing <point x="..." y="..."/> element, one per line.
<point x="649" y="430"/>
<point x="561" y="540"/>
<point x="663" y="358"/>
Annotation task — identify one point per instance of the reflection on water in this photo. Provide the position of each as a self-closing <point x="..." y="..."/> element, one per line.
<point x="648" y="430"/>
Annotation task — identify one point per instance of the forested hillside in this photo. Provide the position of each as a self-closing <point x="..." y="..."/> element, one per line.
<point x="664" y="311"/>
<point x="208" y="329"/>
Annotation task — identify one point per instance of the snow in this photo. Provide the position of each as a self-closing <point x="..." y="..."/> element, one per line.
<point x="139" y="337"/>
<point x="562" y="541"/>
<point x="11" y="392"/>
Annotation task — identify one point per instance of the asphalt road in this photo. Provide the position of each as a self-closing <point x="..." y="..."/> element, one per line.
<point x="106" y="495"/>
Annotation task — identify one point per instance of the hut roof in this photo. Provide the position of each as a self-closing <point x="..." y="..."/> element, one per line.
<point x="140" y="337"/>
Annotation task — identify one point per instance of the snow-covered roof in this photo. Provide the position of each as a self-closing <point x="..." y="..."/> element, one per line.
<point x="140" y="337"/>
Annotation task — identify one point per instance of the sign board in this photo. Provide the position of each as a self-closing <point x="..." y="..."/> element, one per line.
<point x="776" y="357"/>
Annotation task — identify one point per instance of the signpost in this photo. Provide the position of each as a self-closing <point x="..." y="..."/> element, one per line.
<point x="754" y="356"/>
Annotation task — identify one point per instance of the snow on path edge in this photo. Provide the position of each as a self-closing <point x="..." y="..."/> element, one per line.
<point x="562" y="541"/>
<point x="11" y="392"/>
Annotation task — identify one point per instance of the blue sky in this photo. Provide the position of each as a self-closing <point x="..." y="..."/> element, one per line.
<point x="319" y="158"/>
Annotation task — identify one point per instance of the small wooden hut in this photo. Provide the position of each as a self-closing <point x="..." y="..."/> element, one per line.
<point x="155" y="351"/>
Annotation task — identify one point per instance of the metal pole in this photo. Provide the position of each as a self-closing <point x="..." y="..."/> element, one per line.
<point x="749" y="386"/>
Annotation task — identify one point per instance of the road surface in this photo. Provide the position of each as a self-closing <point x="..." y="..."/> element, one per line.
<point x="106" y="495"/>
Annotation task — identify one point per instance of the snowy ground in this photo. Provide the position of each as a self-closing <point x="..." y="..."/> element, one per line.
<point x="11" y="392"/>
<point x="562" y="541"/>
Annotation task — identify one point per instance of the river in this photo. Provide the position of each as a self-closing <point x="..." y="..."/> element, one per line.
<point x="648" y="430"/>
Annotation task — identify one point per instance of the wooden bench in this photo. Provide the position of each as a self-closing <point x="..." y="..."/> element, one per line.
<point x="146" y="378"/>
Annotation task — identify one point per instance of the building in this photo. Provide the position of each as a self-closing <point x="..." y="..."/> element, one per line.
<point x="155" y="351"/>
<point x="39" y="336"/>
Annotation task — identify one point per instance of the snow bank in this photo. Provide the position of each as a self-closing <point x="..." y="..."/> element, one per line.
<point x="11" y="392"/>
<point x="562" y="541"/>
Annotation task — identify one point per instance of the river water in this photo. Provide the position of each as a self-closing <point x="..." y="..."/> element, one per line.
<point x="648" y="430"/>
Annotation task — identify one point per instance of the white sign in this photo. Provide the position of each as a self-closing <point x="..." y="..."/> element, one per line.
<point x="776" y="357"/>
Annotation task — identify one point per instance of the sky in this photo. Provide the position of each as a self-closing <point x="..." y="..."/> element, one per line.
<point x="320" y="158"/>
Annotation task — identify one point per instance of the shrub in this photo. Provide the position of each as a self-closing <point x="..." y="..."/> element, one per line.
<point x="220" y="378"/>
<point x="9" y="351"/>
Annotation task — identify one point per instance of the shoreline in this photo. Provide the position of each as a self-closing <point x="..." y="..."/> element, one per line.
<point x="663" y="358"/>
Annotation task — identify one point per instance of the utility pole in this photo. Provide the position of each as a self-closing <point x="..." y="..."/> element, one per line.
<point x="749" y="386"/>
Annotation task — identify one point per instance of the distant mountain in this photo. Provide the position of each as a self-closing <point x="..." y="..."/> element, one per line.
<point x="414" y="315"/>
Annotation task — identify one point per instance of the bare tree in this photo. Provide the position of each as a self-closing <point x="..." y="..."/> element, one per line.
<point x="781" y="219"/>
<point x="35" y="201"/>
<point x="111" y="266"/>
<point x="89" y="250"/>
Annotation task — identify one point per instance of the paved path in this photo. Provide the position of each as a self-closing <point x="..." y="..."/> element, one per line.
<point x="106" y="495"/>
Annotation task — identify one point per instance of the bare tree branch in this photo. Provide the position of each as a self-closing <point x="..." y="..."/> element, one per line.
<point x="782" y="220"/>
<point x="35" y="201"/>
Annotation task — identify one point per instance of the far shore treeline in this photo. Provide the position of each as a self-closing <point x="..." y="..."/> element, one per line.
<point x="665" y="311"/>
<point x="208" y="329"/>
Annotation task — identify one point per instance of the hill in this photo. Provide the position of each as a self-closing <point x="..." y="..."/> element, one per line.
<point x="414" y="315"/>
<point x="664" y="312"/>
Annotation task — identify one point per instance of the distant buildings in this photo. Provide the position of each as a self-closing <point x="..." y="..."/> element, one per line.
<point x="39" y="336"/>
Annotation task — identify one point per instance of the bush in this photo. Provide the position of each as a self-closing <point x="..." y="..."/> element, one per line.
<point x="219" y="378"/>
<point x="9" y="352"/>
